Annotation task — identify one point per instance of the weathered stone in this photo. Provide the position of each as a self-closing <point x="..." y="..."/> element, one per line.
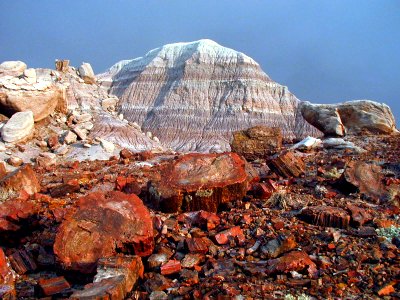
<point x="70" y="137"/>
<point x="365" y="178"/>
<point x="326" y="216"/>
<point x="42" y="102"/>
<point x="12" y="68"/>
<point x="107" y="289"/>
<point x="46" y="159"/>
<point x="103" y="224"/>
<point x="359" y="216"/>
<point x="200" y="181"/>
<point x="12" y="212"/>
<point x="234" y="233"/>
<point x="198" y="244"/>
<point x="352" y="117"/>
<point x="257" y="142"/>
<point x="81" y="133"/>
<point x="62" y="65"/>
<point x="15" y="161"/>
<point x="264" y="190"/>
<point x="107" y="146"/>
<point x="53" y="142"/>
<point x="53" y="286"/>
<point x="287" y="164"/>
<point x="7" y="290"/>
<point x="191" y="260"/>
<point x="22" y="262"/>
<point x="3" y="169"/>
<point x="109" y="103"/>
<point x="131" y="267"/>
<point x="156" y="260"/>
<point x="278" y="246"/>
<point x="171" y="267"/>
<point x="125" y="154"/>
<point x="202" y="219"/>
<point x="86" y="73"/>
<point x="292" y="261"/>
<point x="64" y="189"/>
<point x="21" y="180"/>
<point x="18" y="127"/>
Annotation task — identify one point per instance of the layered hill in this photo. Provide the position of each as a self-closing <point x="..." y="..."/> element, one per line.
<point x="192" y="96"/>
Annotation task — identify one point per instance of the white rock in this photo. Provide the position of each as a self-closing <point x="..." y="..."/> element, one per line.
<point x="13" y="67"/>
<point x="46" y="159"/>
<point x="2" y="147"/>
<point x="109" y="103"/>
<point x="121" y="117"/>
<point x="308" y="143"/>
<point x="83" y="118"/>
<point x="339" y="143"/>
<point x="70" y="137"/>
<point x="108" y="146"/>
<point x="156" y="139"/>
<point x="86" y="73"/>
<point x="18" y="127"/>
<point x="80" y="132"/>
<point x="30" y="75"/>
<point x="149" y="134"/>
<point x="62" y="150"/>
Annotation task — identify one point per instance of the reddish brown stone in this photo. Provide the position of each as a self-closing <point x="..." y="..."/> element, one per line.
<point x="292" y="261"/>
<point x="65" y="188"/>
<point x="358" y="215"/>
<point x="107" y="289"/>
<point x="103" y="224"/>
<point x="3" y="170"/>
<point x="386" y="290"/>
<point x="287" y="164"/>
<point x="198" y="245"/>
<point x="264" y="190"/>
<point x="22" y="262"/>
<point x="6" y="275"/>
<point x="22" y="179"/>
<point x="202" y="219"/>
<point x="236" y="232"/>
<point x="131" y="267"/>
<point x="145" y="155"/>
<point x="12" y="212"/>
<point x="53" y="286"/>
<point x="171" y="267"/>
<point x="283" y="243"/>
<point x="326" y="216"/>
<point x="53" y="142"/>
<point x="200" y="181"/>
<point x="191" y="260"/>
<point x="365" y="178"/>
<point x="257" y="142"/>
<point x="125" y="154"/>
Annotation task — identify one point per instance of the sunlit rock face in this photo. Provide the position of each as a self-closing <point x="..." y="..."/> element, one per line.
<point x="192" y="96"/>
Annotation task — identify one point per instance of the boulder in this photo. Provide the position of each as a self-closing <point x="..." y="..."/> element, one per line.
<point x="103" y="225"/>
<point x="86" y="73"/>
<point x="13" y="68"/>
<point x="200" y="182"/>
<point x="257" y="142"/>
<point x="42" y="102"/>
<point x="21" y="180"/>
<point x="19" y="127"/>
<point x="352" y="117"/>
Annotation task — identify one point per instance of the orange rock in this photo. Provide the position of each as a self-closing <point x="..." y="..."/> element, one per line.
<point x="292" y="261"/>
<point x="327" y="216"/>
<point x="171" y="267"/>
<point x="234" y="232"/>
<point x="386" y="290"/>
<point x="53" y="286"/>
<point x="287" y="164"/>
<point x="103" y="224"/>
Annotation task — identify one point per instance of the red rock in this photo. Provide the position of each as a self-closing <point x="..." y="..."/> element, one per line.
<point x="171" y="267"/>
<point x="198" y="245"/>
<point x="145" y="155"/>
<point x="131" y="267"/>
<point x="125" y="154"/>
<point x="200" y="181"/>
<point x="53" y="286"/>
<point x="191" y="260"/>
<point x="292" y="261"/>
<point x="22" y="262"/>
<point x="365" y="178"/>
<point x="107" y="289"/>
<point x="257" y="142"/>
<point x="13" y="211"/>
<point x="358" y="215"/>
<point x="264" y="190"/>
<point x="202" y="219"/>
<point x="53" y="142"/>
<point x="6" y="275"/>
<point x="22" y="179"/>
<point x="326" y="216"/>
<point x="236" y="232"/>
<point x="3" y="170"/>
<point x="65" y="188"/>
<point x="287" y="164"/>
<point x="102" y="225"/>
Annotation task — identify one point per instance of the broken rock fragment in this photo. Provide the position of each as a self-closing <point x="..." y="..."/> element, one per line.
<point x="282" y="244"/>
<point x="102" y="225"/>
<point x="287" y="164"/>
<point x="326" y="216"/>
<point x="293" y="261"/>
<point x="200" y="181"/>
<point x="18" y="127"/>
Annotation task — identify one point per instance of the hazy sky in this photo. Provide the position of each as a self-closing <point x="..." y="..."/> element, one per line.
<point x="324" y="51"/>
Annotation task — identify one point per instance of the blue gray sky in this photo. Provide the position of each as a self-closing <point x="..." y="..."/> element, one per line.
<point x="324" y="51"/>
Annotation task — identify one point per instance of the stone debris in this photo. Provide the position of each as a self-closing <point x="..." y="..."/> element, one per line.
<point x="287" y="164"/>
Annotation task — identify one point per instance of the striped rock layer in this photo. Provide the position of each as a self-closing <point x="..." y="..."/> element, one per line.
<point x="192" y="96"/>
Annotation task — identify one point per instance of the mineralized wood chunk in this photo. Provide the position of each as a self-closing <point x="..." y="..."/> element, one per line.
<point x="53" y="286"/>
<point x="102" y="225"/>
<point x="257" y="142"/>
<point x="326" y="216"/>
<point x="200" y="182"/>
<point x="288" y="165"/>
<point x="22" y="179"/>
<point x="292" y="261"/>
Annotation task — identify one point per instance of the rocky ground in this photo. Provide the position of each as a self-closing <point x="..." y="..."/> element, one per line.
<point x="314" y="223"/>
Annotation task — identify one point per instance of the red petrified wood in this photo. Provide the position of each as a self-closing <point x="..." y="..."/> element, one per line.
<point x="102" y="225"/>
<point x="327" y="216"/>
<point x="293" y="261"/>
<point x="287" y="164"/>
<point x="53" y="286"/>
<point x="200" y="181"/>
